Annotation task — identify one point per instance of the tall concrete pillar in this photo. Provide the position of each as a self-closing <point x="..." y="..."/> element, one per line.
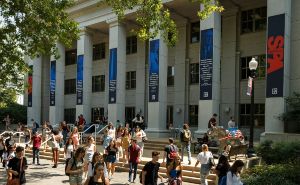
<point x="57" y="86"/>
<point x="157" y="105"/>
<point x="278" y="63"/>
<point x="209" y="82"/>
<point x="180" y="76"/>
<point x="140" y="75"/>
<point x="84" y="75"/>
<point x="117" y="70"/>
<point x="34" y="90"/>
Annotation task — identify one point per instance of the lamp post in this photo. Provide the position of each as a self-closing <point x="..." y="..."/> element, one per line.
<point x="252" y="66"/>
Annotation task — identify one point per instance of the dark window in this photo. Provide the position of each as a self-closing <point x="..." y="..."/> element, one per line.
<point x="170" y="80"/>
<point x="130" y="80"/>
<point x="70" y="86"/>
<point x="261" y="68"/>
<point x="129" y="114"/>
<point x="69" y="115"/>
<point x="99" y="51"/>
<point x="131" y="45"/>
<point x="194" y="73"/>
<point x="98" y="83"/>
<point x="169" y="116"/>
<point x="259" y="114"/>
<point x="254" y="20"/>
<point x="71" y="57"/>
<point x="97" y="113"/>
<point x="195" y="32"/>
<point x="193" y="115"/>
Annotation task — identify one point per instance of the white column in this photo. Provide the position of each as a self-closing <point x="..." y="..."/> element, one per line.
<point x="56" y="112"/>
<point x="180" y="76"/>
<point x="34" y="110"/>
<point x="278" y="69"/>
<point x="209" y="78"/>
<point x="85" y="50"/>
<point x="117" y="47"/>
<point x="157" y="106"/>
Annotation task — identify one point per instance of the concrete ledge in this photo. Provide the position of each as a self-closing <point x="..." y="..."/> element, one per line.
<point x="156" y="133"/>
<point x="279" y="136"/>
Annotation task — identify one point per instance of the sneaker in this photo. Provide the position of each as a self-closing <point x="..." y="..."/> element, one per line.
<point x="190" y="162"/>
<point x="38" y="164"/>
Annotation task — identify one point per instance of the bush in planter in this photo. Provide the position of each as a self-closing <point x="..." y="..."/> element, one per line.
<point x="283" y="174"/>
<point x="280" y="152"/>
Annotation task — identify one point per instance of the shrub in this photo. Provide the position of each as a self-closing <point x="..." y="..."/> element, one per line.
<point x="280" y="152"/>
<point x="17" y="112"/>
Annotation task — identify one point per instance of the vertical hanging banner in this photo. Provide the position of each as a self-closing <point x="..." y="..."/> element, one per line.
<point x="79" y="88"/>
<point x="275" y="56"/>
<point x="30" y="86"/>
<point x="206" y="64"/>
<point x="112" y="75"/>
<point x="52" y="82"/>
<point x="249" y="87"/>
<point x="154" y="71"/>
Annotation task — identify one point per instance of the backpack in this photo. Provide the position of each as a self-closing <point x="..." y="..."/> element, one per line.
<point x="73" y="164"/>
<point x="186" y="136"/>
<point x="173" y="152"/>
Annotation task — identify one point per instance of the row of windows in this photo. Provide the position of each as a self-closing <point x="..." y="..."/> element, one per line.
<point x="99" y="51"/>
<point x="251" y="21"/>
<point x="98" y="114"/>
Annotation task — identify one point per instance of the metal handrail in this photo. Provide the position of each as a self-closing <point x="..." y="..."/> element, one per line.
<point x="6" y="132"/>
<point x="81" y="133"/>
<point x="102" y="129"/>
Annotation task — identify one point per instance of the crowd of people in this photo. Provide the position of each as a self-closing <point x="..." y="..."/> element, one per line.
<point x="85" y="165"/>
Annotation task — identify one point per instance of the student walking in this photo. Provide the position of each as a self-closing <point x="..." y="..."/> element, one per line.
<point x="150" y="170"/>
<point x="171" y="152"/>
<point x="174" y="172"/>
<point x="186" y="138"/>
<point x="75" y="167"/>
<point x="97" y="159"/>
<point x="233" y="175"/>
<point x="98" y="177"/>
<point x="111" y="158"/>
<point x="134" y="159"/>
<point x="36" y="142"/>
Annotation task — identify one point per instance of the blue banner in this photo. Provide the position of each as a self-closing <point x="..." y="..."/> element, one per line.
<point x="79" y="87"/>
<point x="30" y="86"/>
<point x="113" y="75"/>
<point x="275" y="56"/>
<point x="52" y="82"/>
<point x="154" y="71"/>
<point x="206" y="64"/>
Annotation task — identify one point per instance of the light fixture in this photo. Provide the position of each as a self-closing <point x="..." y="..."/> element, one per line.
<point x="253" y="64"/>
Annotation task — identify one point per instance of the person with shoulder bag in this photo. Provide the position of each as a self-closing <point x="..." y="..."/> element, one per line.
<point x="16" y="168"/>
<point x="75" y="167"/>
<point x="186" y="138"/>
<point x="98" y="177"/>
<point x="206" y="159"/>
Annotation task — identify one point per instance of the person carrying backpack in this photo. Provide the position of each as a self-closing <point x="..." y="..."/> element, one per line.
<point x="149" y="174"/>
<point x="186" y="138"/>
<point x="75" y="167"/>
<point x="171" y="151"/>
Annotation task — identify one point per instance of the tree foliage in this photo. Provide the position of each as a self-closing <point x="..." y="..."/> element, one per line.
<point x="31" y="27"/>
<point x="152" y="16"/>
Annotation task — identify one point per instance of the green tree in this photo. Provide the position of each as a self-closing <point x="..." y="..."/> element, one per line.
<point x="30" y="27"/>
<point x="152" y="16"/>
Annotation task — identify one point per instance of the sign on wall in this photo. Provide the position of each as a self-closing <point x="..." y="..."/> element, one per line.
<point x="113" y="75"/>
<point x="79" y="86"/>
<point x="30" y="86"/>
<point x="154" y="71"/>
<point x="206" y="64"/>
<point x="52" y="82"/>
<point x="275" y="56"/>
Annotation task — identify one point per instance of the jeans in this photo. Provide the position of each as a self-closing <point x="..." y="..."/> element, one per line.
<point x="187" y="146"/>
<point x="132" y="166"/>
<point x="36" y="153"/>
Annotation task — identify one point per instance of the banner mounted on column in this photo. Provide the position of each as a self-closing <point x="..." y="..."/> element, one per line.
<point x="154" y="71"/>
<point x="275" y="56"/>
<point x="30" y="86"/>
<point x="79" y="88"/>
<point x="206" y="64"/>
<point x="52" y="82"/>
<point x="112" y="76"/>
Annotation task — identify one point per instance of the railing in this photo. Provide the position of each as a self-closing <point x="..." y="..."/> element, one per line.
<point x="81" y="133"/>
<point x="102" y="129"/>
<point x="6" y="132"/>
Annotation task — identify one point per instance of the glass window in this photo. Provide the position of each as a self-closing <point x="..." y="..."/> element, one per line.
<point x="170" y="81"/>
<point x="254" y="20"/>
<point x="69" y="115"/>
<point x="129" y="114"/>
<point x="130" y="80"/>
<point x="98" y="83"/>
<point x="261" y="68"/>
<point x="97" y="114"/>
<point x="195" y="32"/>
<point x="169" y="116"/>
<point x="70" y="86"/>
<point x="194" y="73"/>
<point x="245" y="114"/>
<point x="99" y="51"/>
<point x="71" y="57"/>
<point x="193" y="115"/>
<point x="131" y="45"/>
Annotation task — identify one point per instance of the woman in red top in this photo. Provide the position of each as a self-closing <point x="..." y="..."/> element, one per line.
<point x="36" y="142"/>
